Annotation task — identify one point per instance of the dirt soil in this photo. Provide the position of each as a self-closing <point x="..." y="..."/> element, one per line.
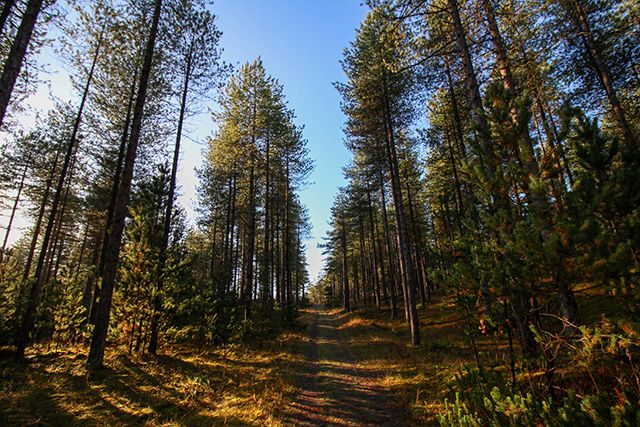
<point x="335" y="388"/>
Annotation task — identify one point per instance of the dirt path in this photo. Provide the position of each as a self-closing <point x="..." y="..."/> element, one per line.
<point x="335" y="389"/>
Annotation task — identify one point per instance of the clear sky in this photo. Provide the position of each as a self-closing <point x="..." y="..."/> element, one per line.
<point x="300" y="43"/>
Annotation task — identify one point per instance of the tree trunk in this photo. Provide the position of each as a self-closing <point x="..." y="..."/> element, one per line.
<point x="473" y="92"/>
<point x="14" y="210"/>
<point x="286" y="244"/>
<point x="387" y="237"/>
<point x="406" y="266"/>
<point x="526" y="144"/>
<point x="4" y="14"/>
<point x="345" y="270"/>
<point x="28" y="320"/>
<point x="13" y="62"/>
<point x="247" y="282"/>
<point x="38" y="225"/>
<point x="157" y="302"/>
<point x="422" y="270"/>
<point x="603" y="73"/>
<point x="98" y="340"/>
<point x="363" y="261"/>
<point x="266" y="269"/>
<point x="376" y="281"/>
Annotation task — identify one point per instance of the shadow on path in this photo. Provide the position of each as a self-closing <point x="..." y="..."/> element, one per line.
<point x="334" y="389"/>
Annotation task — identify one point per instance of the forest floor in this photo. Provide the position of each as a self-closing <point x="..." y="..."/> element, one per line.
<point x="332" y="369"/>
<point x="337" y="387"/>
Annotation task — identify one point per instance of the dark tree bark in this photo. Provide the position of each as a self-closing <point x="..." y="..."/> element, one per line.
<point x="473" y="92"/>
<point x="247" y="270"/>
<point x="376" y="281"/>
<point x="406" y="266"/>
<point x="157" y="303"/>
<point x="346" y="303"/>
<point x="4" y="14"/>
<point x="98" y="340"/>
<point x="387" y="238"/>
<point x="266" y="270"/>
<point x="28" y="320"/>
<point x="287" y="242"/>
<point x="14" y="209"/>
<point x="420" y="259"/>
<point x="13" y="63"/>
<point x="593" y="50"/>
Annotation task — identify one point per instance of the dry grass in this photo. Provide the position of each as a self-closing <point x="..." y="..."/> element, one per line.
<point x="242" y="385"/>
<point x="419" y="377"/>
<point x="227" y="386"/>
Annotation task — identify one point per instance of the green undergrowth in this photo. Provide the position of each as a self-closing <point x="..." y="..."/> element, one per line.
<point x="591" y="378"/>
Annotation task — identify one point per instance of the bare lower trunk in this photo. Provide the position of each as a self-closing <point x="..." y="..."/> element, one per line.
<point x="157" y="302"/>
<point x="406" y="266"/>
<point x="28" y="320"/>
<point x="98" y="340"/>
<point x="387" y="238"/>
<point x="345" y="271"/>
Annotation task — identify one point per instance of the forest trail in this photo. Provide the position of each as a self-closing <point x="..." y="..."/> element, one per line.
<point x="335" y="388"/>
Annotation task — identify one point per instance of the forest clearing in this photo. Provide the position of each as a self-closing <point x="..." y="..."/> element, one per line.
<point x="320" y="213"/>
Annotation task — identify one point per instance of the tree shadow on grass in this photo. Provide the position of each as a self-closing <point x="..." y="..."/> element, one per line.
<point x="44" y="393"/>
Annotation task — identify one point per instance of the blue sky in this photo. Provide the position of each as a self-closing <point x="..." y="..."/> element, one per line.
<point x="300" y="43"/>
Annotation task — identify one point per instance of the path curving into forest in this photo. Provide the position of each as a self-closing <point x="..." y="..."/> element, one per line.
<point x="336" y="389"/>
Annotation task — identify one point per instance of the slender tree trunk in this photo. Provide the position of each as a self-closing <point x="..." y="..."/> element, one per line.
<point x="118" y="171"/>
<point x="89" y="291"/>
<point x="14" y="209"/>
<point x="213" y="265"/>
<point x="456" y="179"/>
<point x="17" y="316"/>
<point x="247" y="282"/>
<point x="98" y="340"/>
<point x="473" y="91"/>
<point x="603" y="73"/>
<point x="230" y="248"/>
<point x="13" y="63"/>
<point x="406" y="266"/>
<point x="112" y="202"/>
<point x="157" y="301"/>
<point x="278" y="270"/>
<point x="376" y="281"/>
<point x="28" y="320"/>
<point x="363" y="261"/>
<point x="526" y="144"/>
<point x="356" y="280"/>
<point x="286" y="242"/>
<point x="266" y="273"/>
<point x="247" y="270"/>
<point x="345" y="270"/>
<point x="40" y="217"/>
<point x="422" y="271"/>
<point x="58" y="234"/>
<point x="480" y="120"/>
<point x="4" y="14"/>
<point x="387" y="237"/>
<point x="225" y="235"/>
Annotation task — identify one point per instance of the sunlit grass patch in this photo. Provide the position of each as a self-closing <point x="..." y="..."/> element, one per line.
<point x="234" y="385"/>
